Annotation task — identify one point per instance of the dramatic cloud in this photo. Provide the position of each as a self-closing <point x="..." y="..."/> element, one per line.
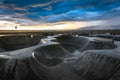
<point x="53" y="11"/>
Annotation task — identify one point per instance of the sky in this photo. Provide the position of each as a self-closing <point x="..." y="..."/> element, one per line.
<point x="58" y="14"/>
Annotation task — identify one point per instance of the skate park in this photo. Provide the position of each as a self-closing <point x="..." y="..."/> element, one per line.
<point x="60" y="58"/>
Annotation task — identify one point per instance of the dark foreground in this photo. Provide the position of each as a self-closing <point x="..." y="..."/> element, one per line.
<point x="61" y="58"/>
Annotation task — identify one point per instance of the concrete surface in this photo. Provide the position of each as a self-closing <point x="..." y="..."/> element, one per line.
<point x="63" y="58"/>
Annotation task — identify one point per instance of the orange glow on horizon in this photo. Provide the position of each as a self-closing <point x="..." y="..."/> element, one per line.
<point x="62" y="26"/>
<point x="71" y="25"/>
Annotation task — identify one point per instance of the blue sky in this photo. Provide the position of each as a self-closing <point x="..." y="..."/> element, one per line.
<point x="51" y="11"/>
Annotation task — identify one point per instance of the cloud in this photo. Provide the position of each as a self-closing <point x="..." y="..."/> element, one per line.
<point x="113" y="21"/>
<point x="39" y="5"/>
<point x="75" y="15"/>
<point x="59" y="10"/>
<point x="48" y="8"/>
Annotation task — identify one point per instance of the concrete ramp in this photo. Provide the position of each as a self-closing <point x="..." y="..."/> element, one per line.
<point x="83" y="43"/>
<point x="73" y="43"/>
<point x="14" y="42"/>
<point x="97" y="65"/>
<point x="51" y="55"/>
<point x="55" y="60"/>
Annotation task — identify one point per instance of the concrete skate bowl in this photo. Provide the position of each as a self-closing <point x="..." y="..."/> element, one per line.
<point x="51" y="55"/>
<point x="14" y="42"/>
<point x="83" y="43"/>
<point x="46" y="62"/>
<point x="92" y="65"/>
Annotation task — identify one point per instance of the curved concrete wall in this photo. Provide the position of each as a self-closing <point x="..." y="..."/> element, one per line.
<point x="14" y="42"/>
<point x="73" y="43"/>
<point x="51" y="55"/>
<point x="83" y="43"/>
<point x="100" y="46"/>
